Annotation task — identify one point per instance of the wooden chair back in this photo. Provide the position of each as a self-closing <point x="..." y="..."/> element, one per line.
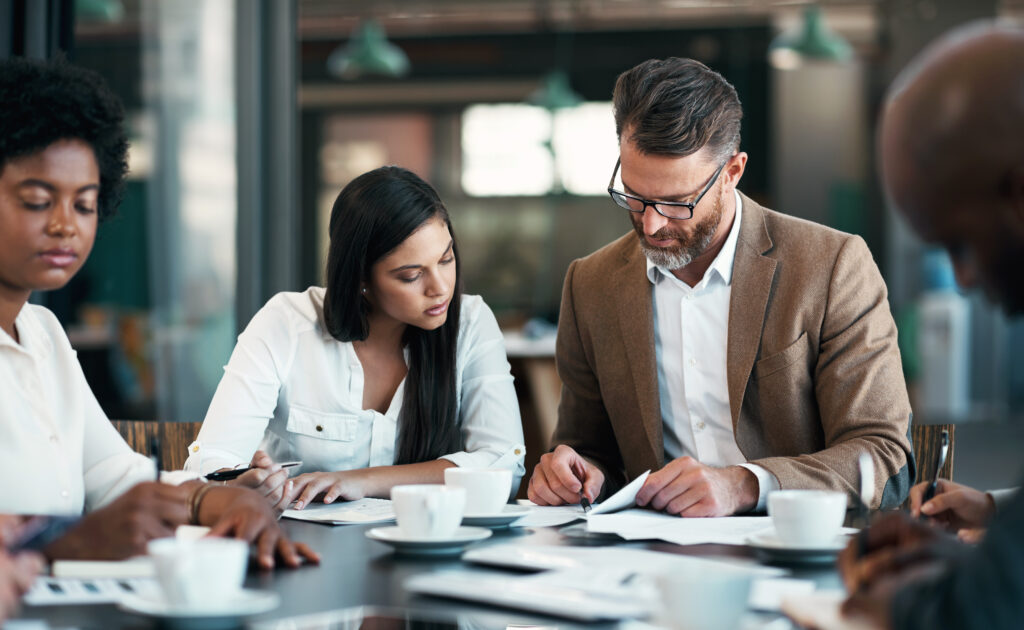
<point x="927" y="439"/>
<point x="174" y="438"/>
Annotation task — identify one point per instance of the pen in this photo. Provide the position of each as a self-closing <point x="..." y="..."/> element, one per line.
<point x="226" y="475"/>
<point x="154" y="455"/>
<point x="940" y="461"/>
<point x="584" y="502"/>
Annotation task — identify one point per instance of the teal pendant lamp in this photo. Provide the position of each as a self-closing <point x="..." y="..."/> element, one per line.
<point x="555" y="92"/>
<point x="368" y="52"/>
<point x="100" y="10"/>
<point x="813" y="41"/>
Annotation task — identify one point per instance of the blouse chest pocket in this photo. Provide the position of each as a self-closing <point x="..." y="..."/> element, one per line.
<point x="341" y="427"/>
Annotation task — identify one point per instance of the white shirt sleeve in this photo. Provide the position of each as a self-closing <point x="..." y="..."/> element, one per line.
<point x="489" y="413"/>
<point x="766" y="483"/>
<point x="247" y="394"/>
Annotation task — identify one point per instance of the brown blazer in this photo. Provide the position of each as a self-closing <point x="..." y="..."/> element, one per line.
<point x="813" y="368"/>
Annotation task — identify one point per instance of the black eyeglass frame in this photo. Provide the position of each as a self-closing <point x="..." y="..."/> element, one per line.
<point x="689" y="205"/>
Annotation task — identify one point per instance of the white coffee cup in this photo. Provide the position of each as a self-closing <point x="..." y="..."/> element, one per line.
<point x="807" y="518"/>
<point x="428" y="511"/>
<point x="703" y="597"/>
<point x="487" y="489"/>
<point x="201" y="574"/>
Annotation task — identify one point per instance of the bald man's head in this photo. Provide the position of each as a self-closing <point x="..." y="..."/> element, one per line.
<point x="952" y="153"/>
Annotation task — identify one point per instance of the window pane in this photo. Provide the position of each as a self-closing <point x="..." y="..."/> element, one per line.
<point x="505" y="152"/>
<point x="585" y="147"/>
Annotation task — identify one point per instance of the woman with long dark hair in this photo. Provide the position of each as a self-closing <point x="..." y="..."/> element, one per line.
<point x="388" y="375"/>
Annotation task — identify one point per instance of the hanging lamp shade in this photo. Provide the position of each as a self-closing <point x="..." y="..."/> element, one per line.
<point x="100" y="10"/>
<point x="555" y="92"/>
<point x="813" y="40"/>
<point x="368" y="52"/>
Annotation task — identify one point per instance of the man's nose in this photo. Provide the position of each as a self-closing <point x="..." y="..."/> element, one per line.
<point x="653" y="221"/>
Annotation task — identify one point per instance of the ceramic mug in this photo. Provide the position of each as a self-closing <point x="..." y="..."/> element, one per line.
<point x="199" y="574"/>
<point x="428" y="511"/>
<point x="807" y="518"/>
<point x="487" y="489"/>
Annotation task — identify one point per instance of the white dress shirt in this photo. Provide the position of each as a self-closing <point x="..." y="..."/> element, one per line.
<point x="691" y="333"/>
<point x="295" y="392"/>
<point x="59" y="454"/>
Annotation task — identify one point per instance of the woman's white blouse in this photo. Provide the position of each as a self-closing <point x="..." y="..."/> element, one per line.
<point x="59" y="454"/>
<point x="296" y="392"/>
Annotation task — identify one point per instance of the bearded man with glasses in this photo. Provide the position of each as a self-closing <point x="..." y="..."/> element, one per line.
<point x="730" y="349"/>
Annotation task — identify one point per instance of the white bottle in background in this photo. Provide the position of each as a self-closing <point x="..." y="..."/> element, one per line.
<point x="943" y="343"/>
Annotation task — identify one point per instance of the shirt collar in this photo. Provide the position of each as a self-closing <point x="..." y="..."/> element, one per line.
<point x="34" y="340"/>
<point x="723" y="262"/>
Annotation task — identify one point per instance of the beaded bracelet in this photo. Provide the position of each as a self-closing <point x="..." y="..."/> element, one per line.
<point x="194" y="501"/>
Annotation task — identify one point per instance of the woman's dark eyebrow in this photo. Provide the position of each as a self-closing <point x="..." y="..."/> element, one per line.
<point x="38" y="183"/>
<point x="406" y="267"/>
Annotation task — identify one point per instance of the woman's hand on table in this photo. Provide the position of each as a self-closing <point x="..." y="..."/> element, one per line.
<point x="328" y="487"/>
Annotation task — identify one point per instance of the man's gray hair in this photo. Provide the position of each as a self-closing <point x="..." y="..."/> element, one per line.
<point x="677" y="107"/>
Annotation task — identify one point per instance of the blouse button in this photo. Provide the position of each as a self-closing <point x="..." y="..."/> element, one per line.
<point x="319" y="427"/>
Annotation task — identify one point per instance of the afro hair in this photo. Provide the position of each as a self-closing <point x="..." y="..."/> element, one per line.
<point x="42" y="102"/>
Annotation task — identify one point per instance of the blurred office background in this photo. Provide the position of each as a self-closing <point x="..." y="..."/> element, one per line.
<point x="248" y="116"/>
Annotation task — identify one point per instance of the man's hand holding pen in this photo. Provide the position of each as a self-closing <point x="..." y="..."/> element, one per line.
<point x="563" y="476"/>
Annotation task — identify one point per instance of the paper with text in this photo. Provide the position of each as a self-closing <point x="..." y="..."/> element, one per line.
<point x="366" y="510"/>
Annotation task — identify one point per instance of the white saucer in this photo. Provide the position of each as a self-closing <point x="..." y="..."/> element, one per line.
<point x="247" y="602"/>
<point x="768" y="546"/>
<point x="452" y="545"/>
<point x="508" y="513"/>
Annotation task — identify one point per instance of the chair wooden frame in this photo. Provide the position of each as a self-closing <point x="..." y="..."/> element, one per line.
<point x="926" y="439"/>
<point x="174" y="438"/>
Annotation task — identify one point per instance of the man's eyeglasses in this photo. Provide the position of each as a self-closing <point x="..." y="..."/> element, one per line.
<point x="667" y="209"/>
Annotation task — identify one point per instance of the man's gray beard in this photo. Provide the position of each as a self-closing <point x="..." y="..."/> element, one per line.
<point x="673" y="259"/>
<point x="677" y="258"/>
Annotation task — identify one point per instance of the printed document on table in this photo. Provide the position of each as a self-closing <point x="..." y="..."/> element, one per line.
<point x="553" y="515"/>
<point x="366" y="510"/>
<point x="644" y="524"/>
<point x="59" y="591"/>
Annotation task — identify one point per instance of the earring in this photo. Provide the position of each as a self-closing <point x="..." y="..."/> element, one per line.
<point x="364" y="290"/>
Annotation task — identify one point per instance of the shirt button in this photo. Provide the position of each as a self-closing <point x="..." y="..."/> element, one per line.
<point x="64" y="493"/>
<point x="699" y="426"/>
<point x="319" y="427"/>
<point x="53" y="438"/>
<point x="693" y="362"/>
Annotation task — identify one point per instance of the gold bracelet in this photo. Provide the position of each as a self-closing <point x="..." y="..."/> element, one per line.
<point x="194" y="501"/>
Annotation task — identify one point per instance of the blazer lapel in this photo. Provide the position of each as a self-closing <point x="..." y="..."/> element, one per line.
<point x="636" y="325"/>
<point x="752" y="277"/>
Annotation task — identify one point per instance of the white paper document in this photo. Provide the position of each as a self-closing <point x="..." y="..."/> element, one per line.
<point x="56" y="591"/>
<point x="346" y="512"/>
<point x="639" y="524"/>
<point x="585" y="594"/>
<point x="554" y="515"/>
<point x="558" y="557"/>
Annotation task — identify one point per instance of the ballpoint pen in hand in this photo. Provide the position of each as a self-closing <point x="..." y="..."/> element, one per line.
<point x="582" y="476"/>
<point x="940" y="461"/>
<point x="234" y="473"/>
<point x="154" y="455"/>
